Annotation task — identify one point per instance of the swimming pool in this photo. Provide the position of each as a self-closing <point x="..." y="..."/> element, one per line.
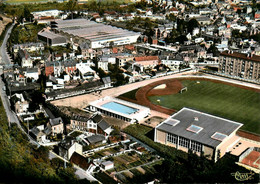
<point x="119" y="108"/>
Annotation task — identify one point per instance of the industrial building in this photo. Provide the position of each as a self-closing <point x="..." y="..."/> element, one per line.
<point x="96" y="35"/>
<point x="51" y="39"/>
<point x="197" y="131"/>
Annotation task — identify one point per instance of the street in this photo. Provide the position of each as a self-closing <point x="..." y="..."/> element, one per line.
<point x="11" y="116"/>
<point x="3" y="50"/>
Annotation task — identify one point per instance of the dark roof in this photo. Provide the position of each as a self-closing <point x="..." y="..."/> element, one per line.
<point x="241" y="56"/>
<point x="70" y="92"/>
<point x="97" y="118"/>
<point x="67" y="142"/>
<point x="56" y="121"/>
<point x="80" y="118"/>
<point x="95" y="139"/>
<point x="80" y="161"/>
<point x="35" y="131"/>
<point x="103" y="125"/>
<point x="210" y="125"/>
<point x="47" y="130"/>
<point x="106" y="80"/>
<point x="49" y="113"/>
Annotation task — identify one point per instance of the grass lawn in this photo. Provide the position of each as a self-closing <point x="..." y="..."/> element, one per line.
<point x="24" y="1"/>
<point x="145" y="134"/>
<point x="130" y="94"/>
<point x="222" y="100"/>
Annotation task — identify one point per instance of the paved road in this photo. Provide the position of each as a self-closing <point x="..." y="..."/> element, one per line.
<point x="3" y="50"/>
<point x="11" y="116"/>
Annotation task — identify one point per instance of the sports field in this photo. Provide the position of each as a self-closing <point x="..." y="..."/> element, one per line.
<point x="219" y="99"/>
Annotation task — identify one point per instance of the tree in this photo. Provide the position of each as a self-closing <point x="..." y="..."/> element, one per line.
<point x="193" y="23"/>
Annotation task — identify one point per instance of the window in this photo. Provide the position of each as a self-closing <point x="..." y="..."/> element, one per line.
<point x="184" y="142"/>
<point x="172" y="138"/>
<point x="195" y="146"/>
<point x="218" y="136"/>
<point x="194" y="128"/>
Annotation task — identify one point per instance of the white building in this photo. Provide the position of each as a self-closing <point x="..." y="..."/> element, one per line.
<point x="97" y="35"/>
<point x="119" y="109"/>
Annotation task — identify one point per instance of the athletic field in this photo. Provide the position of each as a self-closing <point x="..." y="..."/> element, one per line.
<point x="219" y="99"/>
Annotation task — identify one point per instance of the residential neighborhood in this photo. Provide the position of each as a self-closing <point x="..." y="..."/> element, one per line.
<point x="132" y="91"/>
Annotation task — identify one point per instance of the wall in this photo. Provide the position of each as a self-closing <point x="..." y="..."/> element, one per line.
<point x="160" y="136"/>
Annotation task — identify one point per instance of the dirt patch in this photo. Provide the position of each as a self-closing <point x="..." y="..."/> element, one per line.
<point x="172" y="86"/>
<point x="4" y="22"/>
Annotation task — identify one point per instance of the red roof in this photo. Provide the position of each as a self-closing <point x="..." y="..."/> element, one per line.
<point x="114" y="50"/>
<point x="173" y="9"/>
<point x="146" y="58"/>
<point x="252" y="159"/>
<point x="241" y="56"/>
<point x="130" y="47"/>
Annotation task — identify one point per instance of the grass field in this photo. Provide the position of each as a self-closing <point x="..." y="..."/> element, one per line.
<point x="24" y="1"/>
<point x="223" y="100"/>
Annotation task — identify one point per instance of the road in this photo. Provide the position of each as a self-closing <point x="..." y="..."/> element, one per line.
<point x="3" y="49"/>
<point x="11" y="116"/>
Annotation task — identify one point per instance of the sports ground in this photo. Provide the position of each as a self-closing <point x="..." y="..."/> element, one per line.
<point x="222" y="99"/>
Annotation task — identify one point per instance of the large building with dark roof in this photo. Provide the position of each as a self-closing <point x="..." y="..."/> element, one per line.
<point x="197" y="131"/>
<point x="246" y="66"/>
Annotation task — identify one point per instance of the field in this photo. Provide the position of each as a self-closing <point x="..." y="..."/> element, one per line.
<point x="25" y="1"/>
<point x="219" y="99"/>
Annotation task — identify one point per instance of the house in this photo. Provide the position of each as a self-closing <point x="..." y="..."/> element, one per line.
<point x="94" y="124"/>
<point x="19" y="103"/>
<point x="25" y="59"/>
<point x="203" y="20"/>
<point x="199" y="132"/>
<point x="172" y="62"/>
<point x="81" y="161"/>
<point x="147" y="61"/>
<point x="85" y="71"/>
<point x="68" y="146"/>
<point x="95" y="139"/>
<point x="107" y="82"/>
<point x="107" y="165"/>
<point x="32" y="73"/>
<point x="29" y="47"/>
<point x="56" y="126"/>
<point x="38" y="134"/>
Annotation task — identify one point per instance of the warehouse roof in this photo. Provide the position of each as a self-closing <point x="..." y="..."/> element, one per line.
<point x="91" y="30"/>
<point x="198" y="126"/>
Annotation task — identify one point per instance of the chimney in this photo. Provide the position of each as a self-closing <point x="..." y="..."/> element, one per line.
<point x="196" y="119"/>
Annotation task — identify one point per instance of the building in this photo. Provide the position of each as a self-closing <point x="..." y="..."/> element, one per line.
<point x="25" y="59"/>
<point x="246" y="66"/>
<point x="119" y="109"/>
<point x="94" y="124"/>
<point x="68" y="146"/>
<point x="147" y="61"/>
<point x="52" y="39"/>
<point x="197" y="131"/>
<point x="107" y="165"/>
<point x="97" y="35"/>
<point x="56" y="126"/>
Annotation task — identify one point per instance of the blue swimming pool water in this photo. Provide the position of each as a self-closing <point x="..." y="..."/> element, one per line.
<point x="119" y="108"/>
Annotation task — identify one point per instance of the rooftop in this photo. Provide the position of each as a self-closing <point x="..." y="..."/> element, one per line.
<point x="91" y="30"/>
<point x="198" y="126"/>
<point x="241" y="56"/>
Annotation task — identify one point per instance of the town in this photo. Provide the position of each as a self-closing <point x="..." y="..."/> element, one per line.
<point x="137" y="91"/>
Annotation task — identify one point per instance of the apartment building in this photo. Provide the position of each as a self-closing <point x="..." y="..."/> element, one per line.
<point x="246" y="66"/>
